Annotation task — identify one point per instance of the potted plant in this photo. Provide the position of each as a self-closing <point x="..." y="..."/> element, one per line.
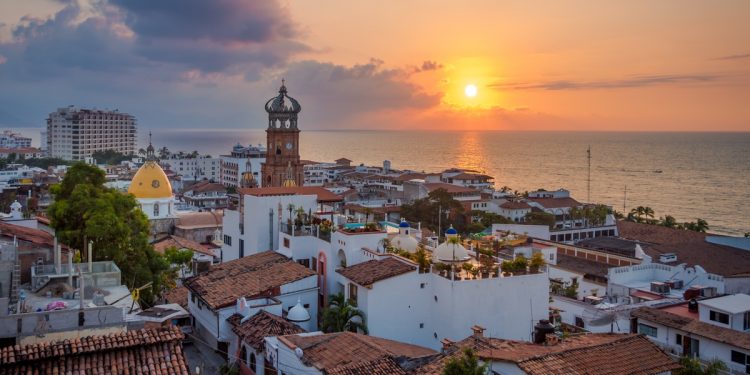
<point x="537" y="262"/>
<point x="468" y="267"/>
<point x="487" y="262"/>
<point x="520" y="264"/>
<point x="474" y="272"/>
<point x="507" y="267"/>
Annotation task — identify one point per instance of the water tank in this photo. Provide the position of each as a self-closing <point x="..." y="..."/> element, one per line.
<point x="541" y="330"/>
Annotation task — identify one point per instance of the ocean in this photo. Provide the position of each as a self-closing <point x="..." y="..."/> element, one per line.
<point x="686" y="175"/>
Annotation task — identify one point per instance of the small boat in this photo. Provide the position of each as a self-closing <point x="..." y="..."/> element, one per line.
<point x="657" y="171"/>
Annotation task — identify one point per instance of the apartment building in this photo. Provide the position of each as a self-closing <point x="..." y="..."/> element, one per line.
<point x="75" y="133"/>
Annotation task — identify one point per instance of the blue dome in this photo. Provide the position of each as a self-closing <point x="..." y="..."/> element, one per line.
<point x="451" y="230"/>
<point x="403" y="224"/>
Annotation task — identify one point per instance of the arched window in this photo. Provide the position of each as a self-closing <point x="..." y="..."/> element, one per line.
<point x="252" y="360"/>
<point x="156" y="209"/>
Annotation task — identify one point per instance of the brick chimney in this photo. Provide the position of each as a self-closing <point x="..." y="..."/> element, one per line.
<point x="478" y="331"/>
<point x="447" y="343"/>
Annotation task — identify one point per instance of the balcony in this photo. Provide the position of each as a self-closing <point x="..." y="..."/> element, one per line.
<point x="306" y="230"/>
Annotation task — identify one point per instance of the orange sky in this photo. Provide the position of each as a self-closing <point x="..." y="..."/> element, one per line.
<point x="547" y="65"/>
<point x="639" y="65"/>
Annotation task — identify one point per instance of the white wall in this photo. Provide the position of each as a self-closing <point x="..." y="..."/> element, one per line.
<point x="536" y="231"/>
<point x="285" y="360"/>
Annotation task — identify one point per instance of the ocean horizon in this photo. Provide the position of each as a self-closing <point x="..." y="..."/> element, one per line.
<point x="687" y="175"/>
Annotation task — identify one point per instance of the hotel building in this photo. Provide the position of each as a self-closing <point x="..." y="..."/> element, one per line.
<point x="75" y="133"/>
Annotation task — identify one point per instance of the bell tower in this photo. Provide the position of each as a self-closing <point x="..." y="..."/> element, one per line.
<point x="282" y="166"/>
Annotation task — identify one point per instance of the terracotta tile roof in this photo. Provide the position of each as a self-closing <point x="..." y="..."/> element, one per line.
<point x="323" y="194"/>
<point x="694" y="326"/>
<point x="450" y="188"/>
<point x="471" y="176"/>
<point x="515" y="205"/>
<point x="555" y="202"/>
<point x="594" y="345"/>
<point x="411" y="176"/>
<point x="367" y="273"/>
<point x="256" y="275"/>
<point x="180" y="243"/>
<point x="145" y="351"/>
<point x="690" y="247"/>
<point x="627" y="355"/>
<point x="205" y="186"/>
<point x="178" y="295"/>
<point x="384" y="365"/>
<point x="35" y="236"/>
<point x="583" y="266"/>
<point x="346" y="351"/>
<point x="261" y="325"/>
<point x="191" y="220"/>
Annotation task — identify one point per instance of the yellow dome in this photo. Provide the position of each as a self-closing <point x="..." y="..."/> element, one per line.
<point x="150" y="182"/>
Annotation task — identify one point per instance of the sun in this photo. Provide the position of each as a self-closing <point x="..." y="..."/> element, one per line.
<point x="470" y="91"/>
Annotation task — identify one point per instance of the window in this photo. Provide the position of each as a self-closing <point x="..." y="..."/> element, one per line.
<point x="286" y="242"/>
<point x="720" y="317"/>
<point x="739" y="357"/>
<point x="678" y="339"/>
<point x="252" y="360"/>
<point x="421" y="285"/>
<point x="353" y="293"/>
<point x="746" y="325"/>
<point x="304" y="262"/>
<point x="228" y="240"/>
<point x="156" y="209"/>
<point x="647" y="330"/>
<point x="314" y="264"/>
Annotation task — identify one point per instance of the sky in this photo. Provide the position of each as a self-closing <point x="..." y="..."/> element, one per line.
<point x="673" y="65"/>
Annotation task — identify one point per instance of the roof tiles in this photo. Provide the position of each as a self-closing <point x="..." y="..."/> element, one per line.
<point x="254" y="330"/>
<point x="367" y="273"/>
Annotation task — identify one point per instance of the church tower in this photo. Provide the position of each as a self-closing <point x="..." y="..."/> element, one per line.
<point x="282" y="166"/>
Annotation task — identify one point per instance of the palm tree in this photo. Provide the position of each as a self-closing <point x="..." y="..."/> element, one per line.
<point x="648" y="212"/>
<point x="164" y="152"/>
<point x="368" y="211"/>
<point x="505" y="189"/>
<point x="385" y="244"/>
<point x="692" y="366"/>
<point x="342" y="315"/>
<point x="669" y="221"/>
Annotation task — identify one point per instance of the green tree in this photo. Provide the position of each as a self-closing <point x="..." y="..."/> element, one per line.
<point x="427" y="210"/>
<point x="342" y="315"/>
<point x="540" y="218"/>
<point x="692" y="366"/>
<point x="84" y="210"/>
<point x="699" y="225"/>
<point x="110" y="157"/>
<point x="180" y="258"/>
<point x="668" y="221"/>
<point x="465" y="364"/>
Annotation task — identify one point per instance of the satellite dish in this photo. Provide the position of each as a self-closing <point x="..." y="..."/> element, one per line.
<point x="298" y="351"/>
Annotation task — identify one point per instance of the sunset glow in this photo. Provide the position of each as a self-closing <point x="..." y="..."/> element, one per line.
<point x="470" y="91"/>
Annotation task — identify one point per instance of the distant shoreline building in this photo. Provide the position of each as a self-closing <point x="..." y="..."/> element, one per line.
<point x="9" y="139"/>
<point x="242" y="164"/>
<point x="75" y="133"/>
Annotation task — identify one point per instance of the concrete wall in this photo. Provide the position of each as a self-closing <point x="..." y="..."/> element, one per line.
<point x="536" y="231"/>
<point x="61" y="323"/>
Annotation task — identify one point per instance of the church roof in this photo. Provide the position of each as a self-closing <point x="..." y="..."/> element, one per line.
<point x="150" y="182"/>
<point x="283" y="103"/>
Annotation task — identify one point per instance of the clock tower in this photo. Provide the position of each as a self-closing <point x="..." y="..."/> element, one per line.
<point x="282" y="166"/>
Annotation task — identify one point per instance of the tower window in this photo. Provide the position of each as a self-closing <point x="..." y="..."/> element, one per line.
<point x="156" y="209"/>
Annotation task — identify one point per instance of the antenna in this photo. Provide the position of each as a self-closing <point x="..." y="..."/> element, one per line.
<point x="588" y="156"/>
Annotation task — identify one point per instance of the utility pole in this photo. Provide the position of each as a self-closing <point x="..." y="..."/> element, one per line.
<point x="588" y="153"/>
<point x="625" y="200"/>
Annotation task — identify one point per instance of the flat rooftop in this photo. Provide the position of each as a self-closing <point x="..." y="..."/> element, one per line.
<point x="733" y="304"/>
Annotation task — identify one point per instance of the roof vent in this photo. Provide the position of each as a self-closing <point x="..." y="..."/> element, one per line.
<point x="668" y="257"/>
<point x="693" y="305"/>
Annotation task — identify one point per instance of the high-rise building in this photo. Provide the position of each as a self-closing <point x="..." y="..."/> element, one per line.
<point x="282" y="166"/>
<point x="9" y="139"/>
<point x="242" y="164"/>
<point x="76" y="133"/>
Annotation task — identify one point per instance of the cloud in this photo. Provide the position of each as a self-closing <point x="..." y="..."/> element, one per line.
<point x="636" y="81"/>
<point x="430" y="65"/>
<point x="335" y="94"/>
<point x="734" y="57"/>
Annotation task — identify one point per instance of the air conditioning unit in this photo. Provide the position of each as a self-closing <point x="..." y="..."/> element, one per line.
<point x="675" y="284"/>
<point x="659" y="287"/>
<point x="668" y="257"/>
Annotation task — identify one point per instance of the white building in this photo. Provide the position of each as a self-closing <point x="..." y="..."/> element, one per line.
<point x="714" y="328"/>
<point x="265" y="281"/>
<point x="261" y="213"/>
<point x="9" y="139"/>
<point x="193" y="169"/>
<point x="242" y="160"/>
<point x="75" y="133"/>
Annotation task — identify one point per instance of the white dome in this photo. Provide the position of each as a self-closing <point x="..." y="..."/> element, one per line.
<point x="448" y="252"/>
<point x="298" y="313"/>
<point x="15" y="205"/>
<point x="405" y="242"/>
